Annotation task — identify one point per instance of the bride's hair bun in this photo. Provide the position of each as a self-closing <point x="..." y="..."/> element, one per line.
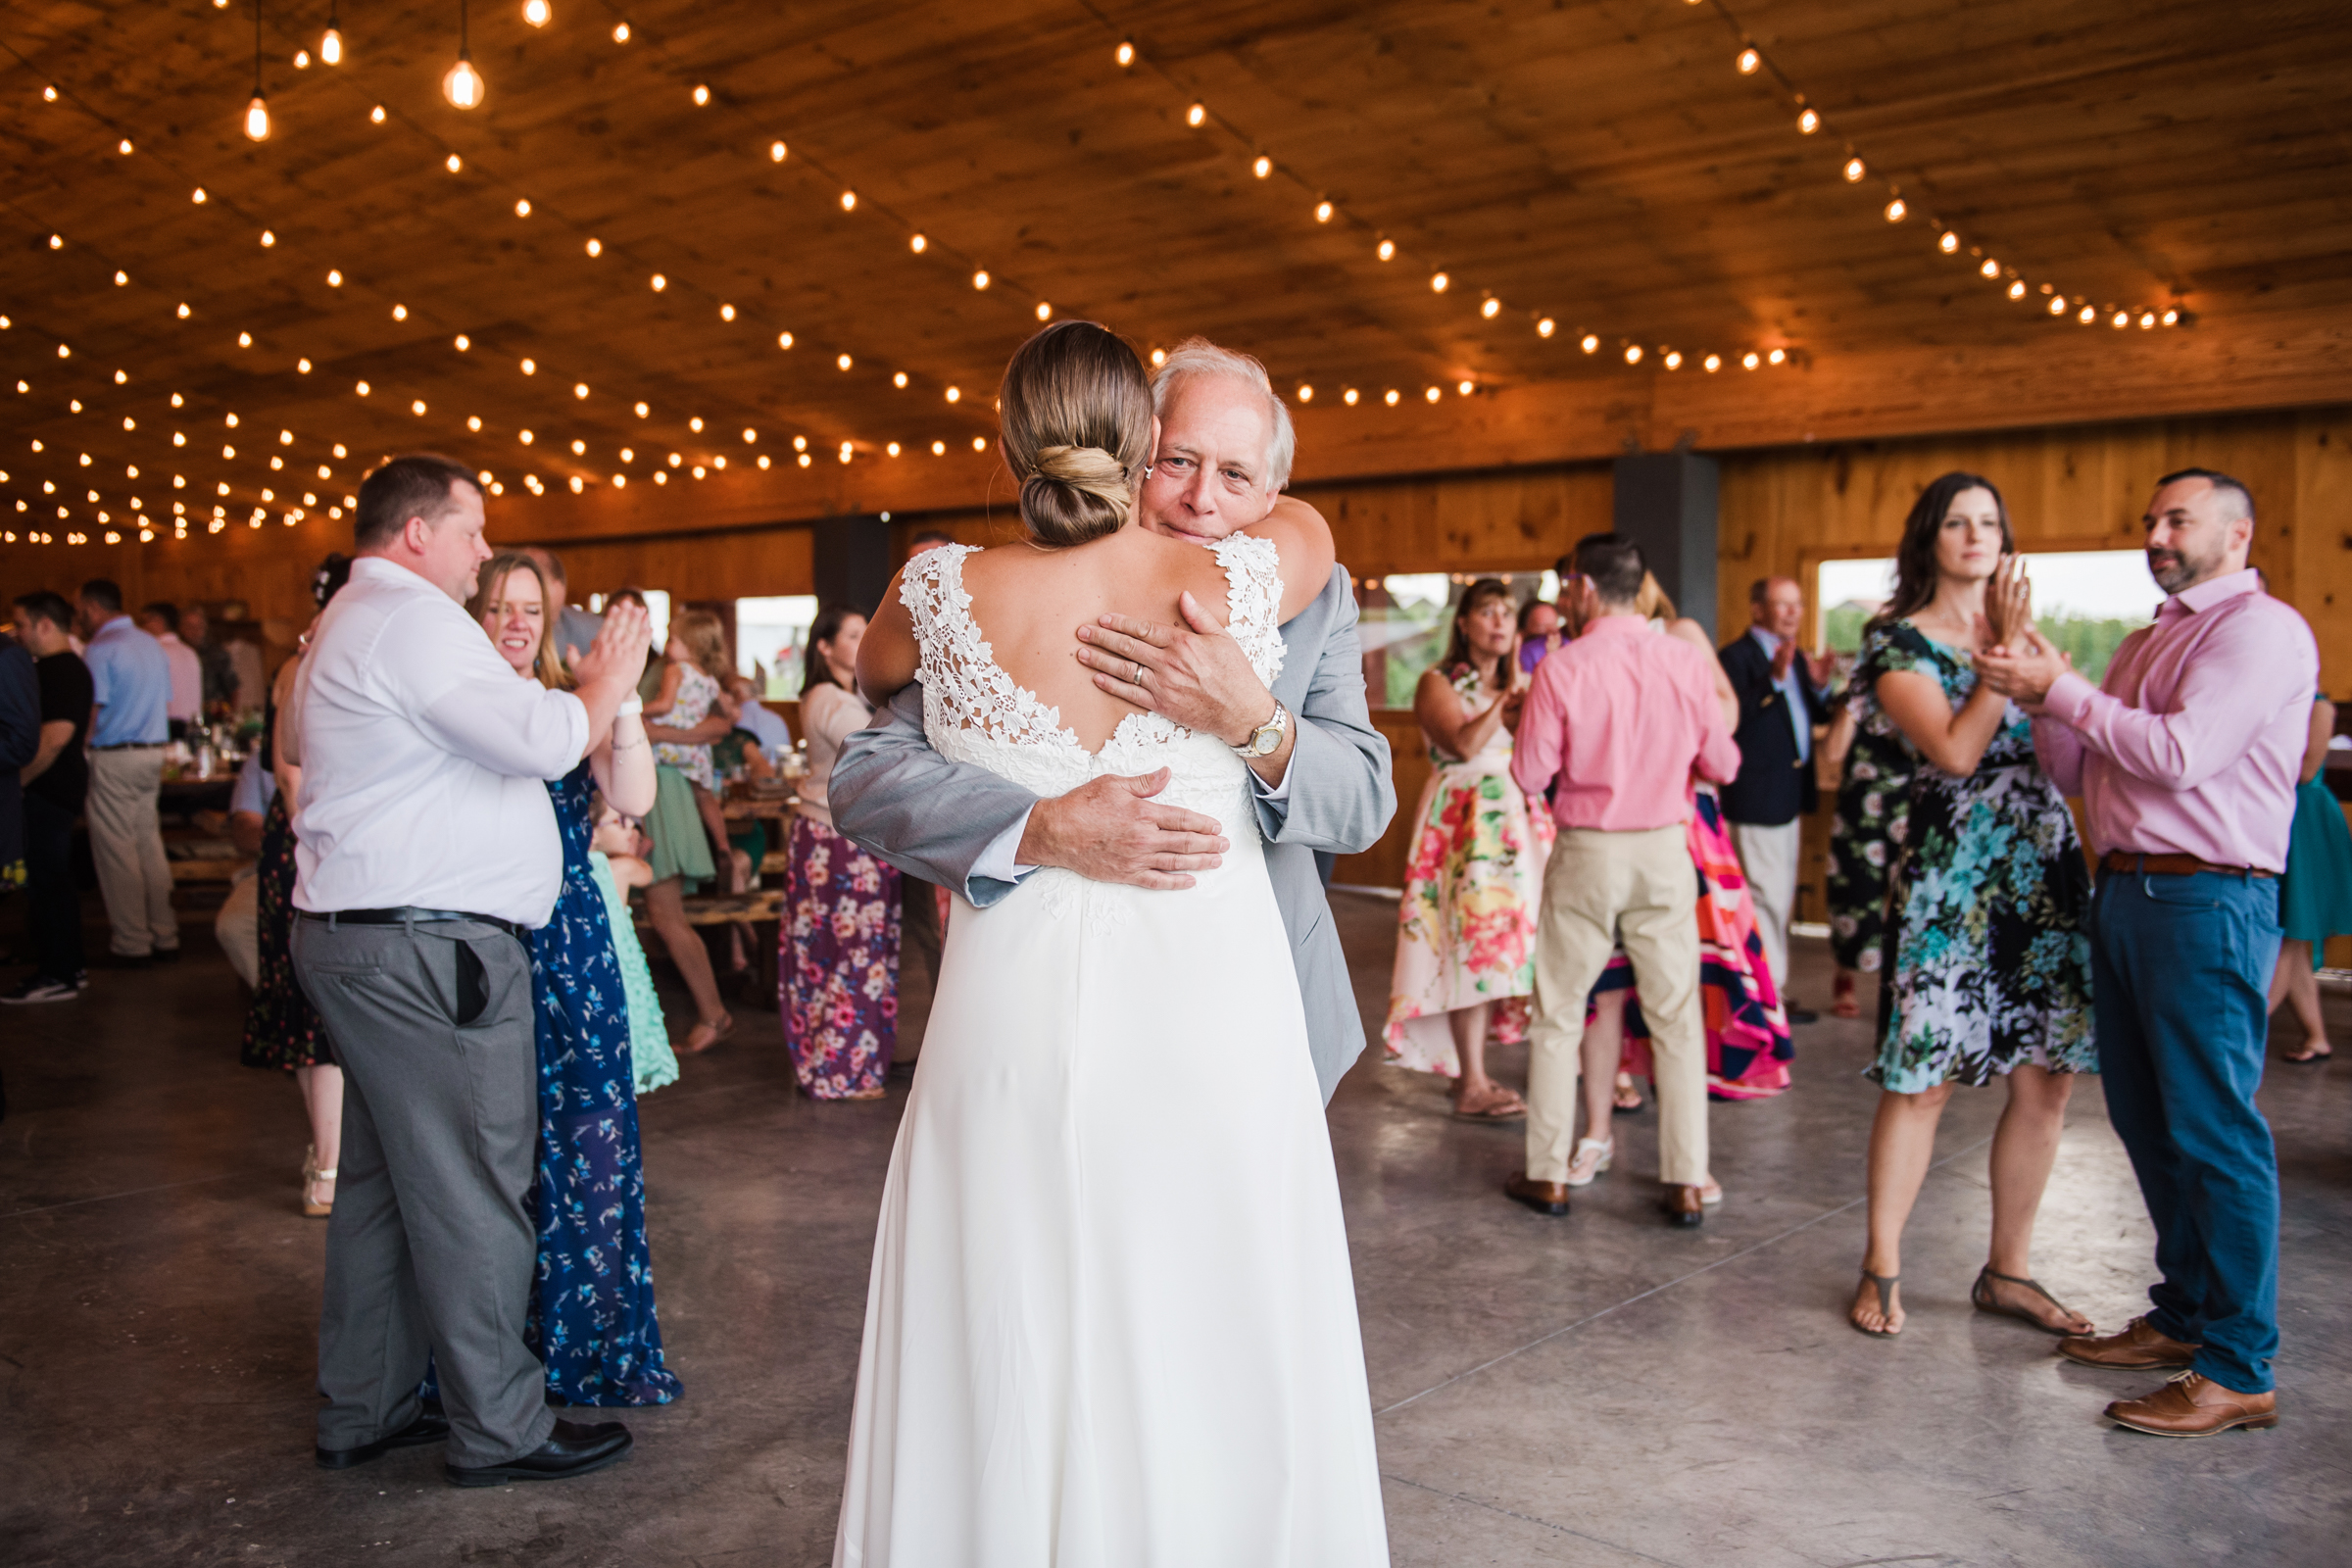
<point x="1077" y="431"/>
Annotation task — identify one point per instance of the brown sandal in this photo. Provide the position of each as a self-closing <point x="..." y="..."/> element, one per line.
<point x="1980" y="1297"/>
<point x="1505" y="1107"/>
<point x="718" y="1030"/>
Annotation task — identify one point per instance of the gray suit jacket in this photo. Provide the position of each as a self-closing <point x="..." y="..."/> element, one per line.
<point x="889" y="788"/>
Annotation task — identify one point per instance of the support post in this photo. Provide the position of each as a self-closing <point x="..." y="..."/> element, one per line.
<point x="1666" y="502"/>
<point x="853" y="563"/>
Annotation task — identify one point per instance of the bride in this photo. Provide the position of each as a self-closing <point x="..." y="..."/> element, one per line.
<point x="1112" y="1322"/>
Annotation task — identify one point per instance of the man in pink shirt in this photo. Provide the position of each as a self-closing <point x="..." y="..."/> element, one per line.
<point x="1613" y="726"/>
<point x="2186" y="762"/>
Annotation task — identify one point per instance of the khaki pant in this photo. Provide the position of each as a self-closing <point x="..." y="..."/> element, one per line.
<point x="126" y="841"/>
<point x="1768" y="857"/>
<point x="1602" y="890"/>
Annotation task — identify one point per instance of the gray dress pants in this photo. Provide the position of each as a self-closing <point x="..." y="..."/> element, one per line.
<point x="430" y="1250"/>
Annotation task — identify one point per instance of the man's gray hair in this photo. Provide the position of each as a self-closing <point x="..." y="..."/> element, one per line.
<point x="1198" y="355"/>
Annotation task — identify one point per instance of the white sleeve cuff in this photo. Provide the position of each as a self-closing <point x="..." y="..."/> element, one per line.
<point x="996" y="861"/>
<point x="1274" y="792"/>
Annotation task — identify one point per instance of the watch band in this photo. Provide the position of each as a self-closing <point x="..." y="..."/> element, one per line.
<point x="1266" y="739"/>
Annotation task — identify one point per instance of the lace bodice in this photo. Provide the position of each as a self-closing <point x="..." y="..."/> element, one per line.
<point x="975" y="712"/>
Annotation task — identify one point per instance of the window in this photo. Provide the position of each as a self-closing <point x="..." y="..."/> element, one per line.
<point x="771" y="637"/>
<point x="2086" y="602"/>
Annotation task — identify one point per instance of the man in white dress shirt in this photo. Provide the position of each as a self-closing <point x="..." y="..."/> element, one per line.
<point x="426" y="852"/>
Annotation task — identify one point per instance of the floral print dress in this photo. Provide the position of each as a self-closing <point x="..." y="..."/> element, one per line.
<point x="1874" y="796"/>
<point x="593" y="1320"/>
<point x="697" y="694"/>
<point x="1986" y="962"/>
<point x="281" y="1030"/>
<point x="1466" y="926"/>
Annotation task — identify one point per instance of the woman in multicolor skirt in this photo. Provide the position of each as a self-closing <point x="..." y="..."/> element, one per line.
<point x="838" y="973"/>
<point x="592" y="1319"/>
<point x="2314" y="897"/>
<point x="1466" y="927"/>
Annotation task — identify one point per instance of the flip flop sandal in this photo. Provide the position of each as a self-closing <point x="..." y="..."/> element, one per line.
<point x="1511" y="1109"/>
<point x="1886" y="1283"/>
<point x="2310" y="1059"/>
<point x="1980" y="1297"/>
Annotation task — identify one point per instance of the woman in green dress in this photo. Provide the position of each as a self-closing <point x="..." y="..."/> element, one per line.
<point x="1986" y="969"/>
<point x="2315" y="898"/>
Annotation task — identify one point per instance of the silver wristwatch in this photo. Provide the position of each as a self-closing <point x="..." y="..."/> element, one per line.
<point x="1266" y="739"/>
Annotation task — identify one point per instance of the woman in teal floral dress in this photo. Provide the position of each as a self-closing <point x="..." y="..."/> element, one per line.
<point x="1987" y="969"/>
<point x="1466" y="926"/>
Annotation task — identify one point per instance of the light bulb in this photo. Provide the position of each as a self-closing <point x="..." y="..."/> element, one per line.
<point x="596" y="247"/>
<point x="257" y="119"/>
<point x="1045" y="312"/>
<point x="579" y="449"/>
<point x="1491" y="308"/>
<point x="843" y="360"/>
<point x="1465" y="388"/>
<point x="939" y="449"/>
<point x="899" y="380"/>
<point x="522" y="207"/>
<point x="783" y="340"/>
<point x="702" y="95"/>
<point x="1322" y="212"/>
<point x="955" y="394"/>
<point x="917" y="243"/>
<point x="1196" y="116"/>
<point x="776" y="151"/>
<point x="1808" y="122"/>
<point x="979" y="443"/>
<point x="1388" y="250"/>
<point x="2058" y="306"/>
<point x="330" y="47"/>
<point x="1307" y="394"/>
<point x="621" y="32"/>
<point x="1591" y="343"/>
<point x="1438" y="283"/>
<point x="1748" y="61"/>
<point x="1751" y="360"/>
<point x="849" y="201"/>
<point x="695" y="425"/>
<point x="1854" y="169"/>
<point x="1778" y="356"/>
<point x="727" y="313"/>
<point x="2122" y="318"/>
<point x="980" y="279"/>
<point x="658" y="282"/>
<point x="1713" y="363"/>
<point x="1633" y="353"/>
<point x="1546" y="328"/>
<point x="1350" y="397"/>
<point x="530" y="367"/>
<point x="244" y="340"/>
<point x="1432" y="394"/>
<point x="2017" y="290"/>
<point x="302" y="59"/>
<point x="400" y="313"/>
<point x="464" y="86"/>
<point x="122" y="278"/>
<point x="2170" y="318"/>
<point x="1263" y="166"/>
<point x="197" y="196"/>
<point x="2147" y="318"/>
<point x="1948" y="243"/>
<point x="642" y="409"/>
<point x="1160" y="356"/>
<point x="375" y="116"/>
<point x="537" y="13"/>
<point x="1895" y="211"/>
<point x="1674" y="360"/>
<point x="579" y="389"/>
<point x="1125" y="55"/>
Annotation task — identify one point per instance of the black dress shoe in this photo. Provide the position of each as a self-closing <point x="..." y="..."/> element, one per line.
<point x="573" y="1448"/>
<point x="1682" y="1206"/>
<point x="1545" y="1198"/>
<point x="430" y="1426"/>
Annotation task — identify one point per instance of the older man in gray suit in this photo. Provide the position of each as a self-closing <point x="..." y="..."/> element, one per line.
<point x="1320" y="769"/>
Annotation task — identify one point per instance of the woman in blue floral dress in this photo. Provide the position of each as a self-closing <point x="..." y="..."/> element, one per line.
<point x="1987" y="969"/>
<point x="593" y="1320"/>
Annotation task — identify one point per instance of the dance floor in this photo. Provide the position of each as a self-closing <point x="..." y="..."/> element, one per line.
<point x="1591" y="1390"/>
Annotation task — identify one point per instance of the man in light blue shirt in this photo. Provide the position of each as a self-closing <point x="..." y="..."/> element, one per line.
<point x="130" y="683"/>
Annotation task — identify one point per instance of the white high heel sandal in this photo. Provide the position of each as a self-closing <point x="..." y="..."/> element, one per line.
<point x="311" y="1176"/>
<point x="1591" y="1157"/>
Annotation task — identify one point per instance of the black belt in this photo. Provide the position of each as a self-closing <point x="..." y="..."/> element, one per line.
<point x="408" y="914"/>
<point x="133" y="746"/>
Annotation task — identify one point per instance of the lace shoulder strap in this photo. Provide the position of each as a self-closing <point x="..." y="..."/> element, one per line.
<point x="1254" y="599"/>
<point x="963" y="686"/>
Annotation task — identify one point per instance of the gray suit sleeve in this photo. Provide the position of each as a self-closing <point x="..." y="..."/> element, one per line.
<point x="887" y="793"/>
<point x="1341" y="793"/>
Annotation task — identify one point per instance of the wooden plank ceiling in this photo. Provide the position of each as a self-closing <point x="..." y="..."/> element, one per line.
<point x="1604" y="167"/>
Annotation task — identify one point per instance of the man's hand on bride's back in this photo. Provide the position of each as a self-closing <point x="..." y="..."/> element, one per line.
<point x="1111" y="830"/>
<point x="1196" y="674"/>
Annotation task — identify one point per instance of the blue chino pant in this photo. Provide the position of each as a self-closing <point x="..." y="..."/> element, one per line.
<point x="2181" y="975"/>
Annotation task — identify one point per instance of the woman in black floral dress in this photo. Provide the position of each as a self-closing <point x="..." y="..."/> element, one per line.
<point x="1874" y="796"/>
<point x="281" y="1032"/>
<point x="1987" y="966"/>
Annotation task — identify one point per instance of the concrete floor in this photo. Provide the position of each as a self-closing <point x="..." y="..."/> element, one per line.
<point x="1597" y="1391"/>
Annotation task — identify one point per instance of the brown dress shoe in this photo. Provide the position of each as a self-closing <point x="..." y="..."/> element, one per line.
<point x="2192" y="1405"/>
<point x="1545" y="1198"/>
<point x="1683" y="1207"/>
<point x="2138" y="1348"/>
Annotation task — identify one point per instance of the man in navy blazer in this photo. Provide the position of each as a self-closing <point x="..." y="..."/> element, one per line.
<point x="1780" y="687"/>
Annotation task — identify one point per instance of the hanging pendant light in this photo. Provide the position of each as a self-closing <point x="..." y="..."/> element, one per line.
<point x="330" y="45"/>
<point x="464" y="86"/>
<point x="257" y="112"/>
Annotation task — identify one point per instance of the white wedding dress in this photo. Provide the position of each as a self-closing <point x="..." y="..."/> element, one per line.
<point x="1112" y="1322"/>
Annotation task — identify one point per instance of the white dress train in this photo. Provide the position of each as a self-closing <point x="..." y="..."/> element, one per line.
<point x="1111" y="1321"/>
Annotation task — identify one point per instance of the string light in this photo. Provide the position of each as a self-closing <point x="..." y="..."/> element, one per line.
<point x="1386" y="250"/>
<point x="1196" y="116"/>
<point x="257" y="112"/>
<point x="702" y="95"/>
<point x="1124" y="54"/>
<point x="917" y="243"/>
<point x="1895" y="211"/>
<point x="1748" y="61"/>
<point x="1323" y="212"/>
<point x="596" y="247"/>
<point x="1807" y="122"/>
<point x="1854" y="171"/>
<point x="463" y="86"/>
<point x="536" y="12"/>
<point x="776" y="151"/>
<point x="849" y="201"/>
<point x="621" y="32"/>
<point x="980" y="279"/>
<point x="330" y="42"/>
<point x="1263" y="166"/>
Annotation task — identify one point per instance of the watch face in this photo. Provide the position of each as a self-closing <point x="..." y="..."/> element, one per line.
<point x="1268" y="737"/>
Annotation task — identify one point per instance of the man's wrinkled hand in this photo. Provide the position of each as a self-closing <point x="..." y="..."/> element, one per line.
<point x="1111" y="830"/>
<point x="1196" y="674"/>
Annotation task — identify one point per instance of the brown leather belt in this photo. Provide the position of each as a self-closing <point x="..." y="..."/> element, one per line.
<point x="2172" y="866"/>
